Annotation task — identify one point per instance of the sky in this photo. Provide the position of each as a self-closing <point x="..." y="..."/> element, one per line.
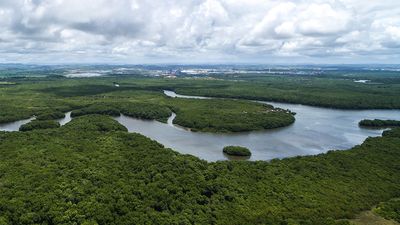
<point x="200" y="31"/>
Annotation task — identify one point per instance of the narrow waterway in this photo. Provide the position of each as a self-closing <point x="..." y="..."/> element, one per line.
<point x="14" y="126"/>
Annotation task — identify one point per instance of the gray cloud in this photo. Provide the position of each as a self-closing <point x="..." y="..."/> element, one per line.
<point x="199" y="30"/>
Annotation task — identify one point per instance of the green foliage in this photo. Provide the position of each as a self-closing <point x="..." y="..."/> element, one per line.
<point x="99" y="123"/>
<point x="236" y="151"/>
<point x="51" y="115"/>
<point x="102" y="109"/>
<point x="379" y="123"/>
<point x="91" y="171"/>
<point x="218" y="115"/>
<point x="39" y="124"/>
<point x="81" y="90"/>
<point x="389" y="210"/>
<point x="391" y="133"/>
<point x="34" y="95"/>
<point x="326" y="91"/>
<point x="138" y="110"/>
<point x="146" y="111"/>
<point x="22" y="101"/>
<point x="10" y="112"/>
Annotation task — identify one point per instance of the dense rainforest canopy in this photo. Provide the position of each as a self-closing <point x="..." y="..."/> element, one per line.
<point x="108" y="176"/>
<point x="221" y="115"/>
<point x="39" y="124"/>
<point x="48" y="99"/>
<point x="379" y="123"/>
<point x="92" y="171"/>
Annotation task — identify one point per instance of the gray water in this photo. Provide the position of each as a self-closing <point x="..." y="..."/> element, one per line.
<point x="14" y="126"/>
<point x="65" y="120"/>
<point x="315" y="131"/>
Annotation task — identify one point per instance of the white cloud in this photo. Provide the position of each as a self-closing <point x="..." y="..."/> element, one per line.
<point x="202" y="30"/>
<point x="323" y="19"/>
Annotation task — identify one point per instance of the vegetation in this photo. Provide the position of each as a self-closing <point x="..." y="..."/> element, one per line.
<point x="10" y="113"/>
<point x="34" y="96"/>
<point x="39" y="124"/>
<point x="389" y="210"/>
<point x="335" y="89"/>
<point x="379" y="123"/>
<point x="92" y="171"/>
<point x="138" y="110"/>
<point x="316" y="91"/>
<point x="97" y="123"/>
<point x="236" y="151"/>
<point x="108" y="176"/>
<point x="146" y="111"/>
<point x="371" y="218"/>
<point x="392" y="133"/>
<point x="101" y="109"/>
<point x="23" y="100"/>
<point x="217" y="115"/>
<point x="51" y="115"/>
<point x="82" y="90"/>
<point x="139" y="98"/>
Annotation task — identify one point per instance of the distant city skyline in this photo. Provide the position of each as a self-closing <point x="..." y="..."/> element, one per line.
<point x="200" y="31"/>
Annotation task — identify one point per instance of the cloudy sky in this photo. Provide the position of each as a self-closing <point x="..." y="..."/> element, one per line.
<point x="200" y="31"/>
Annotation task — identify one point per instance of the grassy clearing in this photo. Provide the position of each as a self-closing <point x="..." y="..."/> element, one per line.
<point x="371" y="218"/>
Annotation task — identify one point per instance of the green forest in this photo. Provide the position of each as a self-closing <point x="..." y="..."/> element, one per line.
<point x="106" y="175"/>
<point x="50" y="98"/>
<point x="379" y="123"/>
<point x="330" y="92"/>
<point x="39" y="124"/>
<point x="220" y="115"/>
<point x="92" y="171"/>
<point x="389" y="210"/>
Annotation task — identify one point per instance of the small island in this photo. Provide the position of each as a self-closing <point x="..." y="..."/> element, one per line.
<point x="379" y="123"/>
<point x="228" y="115"/>
<point x="236" y="151"/>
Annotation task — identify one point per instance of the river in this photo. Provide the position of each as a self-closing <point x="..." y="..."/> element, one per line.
<point x="316" y="130"/>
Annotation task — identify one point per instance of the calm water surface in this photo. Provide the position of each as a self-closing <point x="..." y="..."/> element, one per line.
<point x="14" y="126"/>
<point x="66" y="119"/>
<point x="315" y="131"/>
